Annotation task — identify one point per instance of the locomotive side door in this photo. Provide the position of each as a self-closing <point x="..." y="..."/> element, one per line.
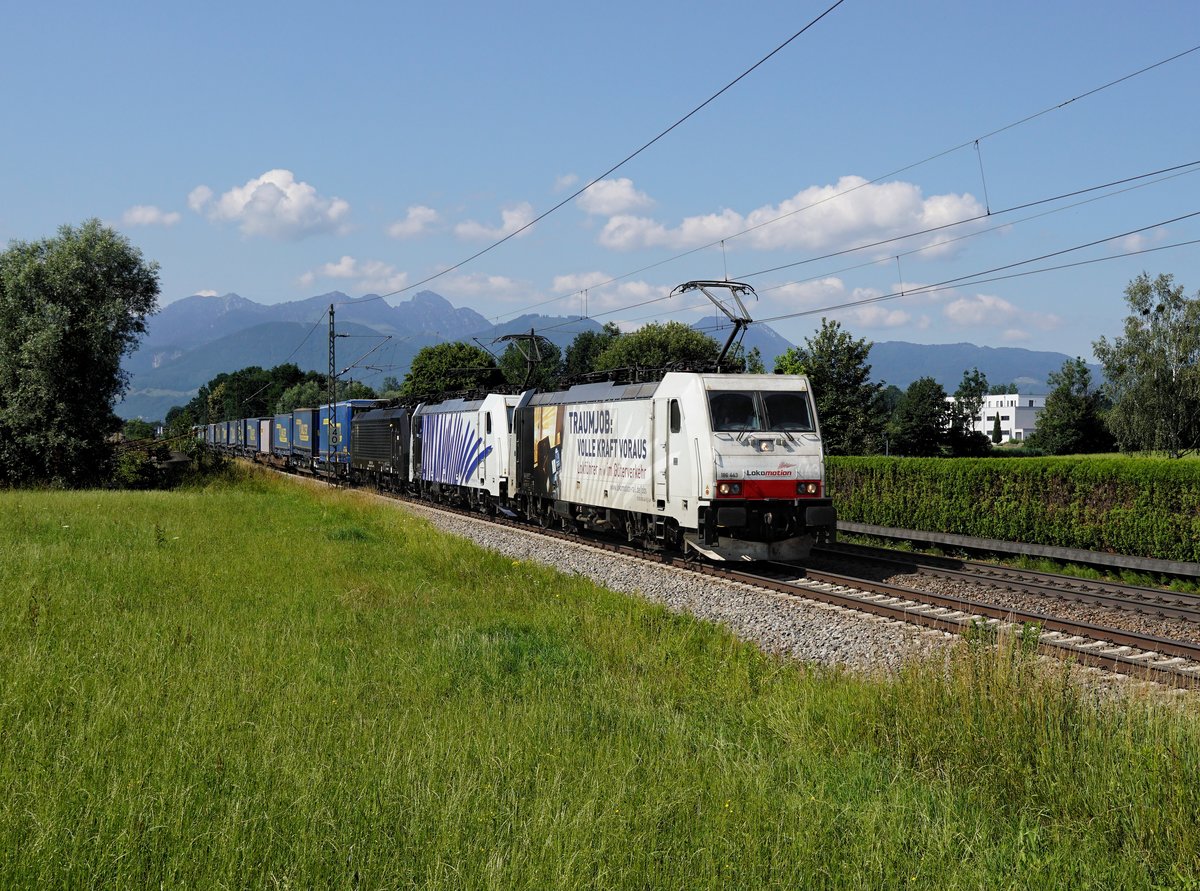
<point x="661" y="451"/>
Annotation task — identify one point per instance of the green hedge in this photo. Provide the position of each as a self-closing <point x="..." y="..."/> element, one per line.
<point x="1148" y="508"/>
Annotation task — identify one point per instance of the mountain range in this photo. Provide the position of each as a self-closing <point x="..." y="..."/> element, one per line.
<point x="194" y="339"/>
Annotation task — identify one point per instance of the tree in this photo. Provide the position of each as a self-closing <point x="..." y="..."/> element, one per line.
<point x="70" y="308"/>
<point x="1153" y="371"/>
<point x="449" y="368"/>
<point x="922" y="419"/>
<point x="751" y="362"/>
<point x="849" y="404"/>
<point x="997" y="434"/>
<point x="516" y="367"/>
<point x="1072" y="421"/>
<point x="659" y="345"/>
<point x="315" y="393"/>
<point x="136" y="429"/>
<point x="581" y="354"/>
<point x="964" y="439"/>
<point x="247" y="393"/>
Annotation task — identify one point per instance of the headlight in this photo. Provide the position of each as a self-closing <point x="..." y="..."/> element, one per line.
<point x="808" y="488"/>
<point x="729" y="488"/>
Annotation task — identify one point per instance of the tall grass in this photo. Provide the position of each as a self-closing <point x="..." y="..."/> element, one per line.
<point x="254" y="684"/>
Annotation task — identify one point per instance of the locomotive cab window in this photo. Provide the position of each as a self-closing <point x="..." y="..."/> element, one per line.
<point x="487" y="422"/>
<point x="676" y="419"/>
<point x="788" y="411"/>
<point x="735" y="412"/>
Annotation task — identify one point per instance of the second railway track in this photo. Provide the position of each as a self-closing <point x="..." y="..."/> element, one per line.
<point x="1112" y="595"/>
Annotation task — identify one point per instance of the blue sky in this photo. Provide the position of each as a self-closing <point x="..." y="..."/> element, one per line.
<point x="285" y="150"/>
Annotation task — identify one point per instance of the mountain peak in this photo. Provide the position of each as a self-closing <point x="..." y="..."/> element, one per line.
<point x="432" y="300"/>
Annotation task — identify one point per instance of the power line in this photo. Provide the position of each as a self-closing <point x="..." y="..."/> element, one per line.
<point x="933" y="157"/>
<point x="1189" y="166"/>
<point x="1175" y="170"/>
<point x="616" y="166"/>
<point x="977" y="277"/>
<point x="976" y="233"/>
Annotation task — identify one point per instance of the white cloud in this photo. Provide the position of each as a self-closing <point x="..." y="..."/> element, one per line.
<point x="875" y="316"/>
<point x="1139" y="241"/>
<point x="275" y="204"/>
<point x="612" y="196"/>
<point x="564" y="182"/>
<point x="198" y="197"/>
<point x="996" y="313"/>
<point x="207" y="292"/>
<point x="369" y="275"/>
<point x="980" y="309"/>
<point x="494" y="287"/>
<point x="417" y="221"/>
<point x="850" y="212"/>
<point x="149" y="215"/>
<point x="578" y="281"/>
<point x="512" y="219"/>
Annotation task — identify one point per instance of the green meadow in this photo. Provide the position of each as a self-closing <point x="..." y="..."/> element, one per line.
<point x="252" y="683"/>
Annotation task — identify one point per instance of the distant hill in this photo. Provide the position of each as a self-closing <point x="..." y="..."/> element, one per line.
<point x="193" y="340"/>
<point x="900" y="363"/>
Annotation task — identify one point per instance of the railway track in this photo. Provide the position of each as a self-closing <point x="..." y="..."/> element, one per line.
<point x="1112" y="595"/>
<point x="1165" y="660"/>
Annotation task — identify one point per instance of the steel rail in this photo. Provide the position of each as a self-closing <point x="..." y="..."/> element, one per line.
<point x="1135" y="598"/>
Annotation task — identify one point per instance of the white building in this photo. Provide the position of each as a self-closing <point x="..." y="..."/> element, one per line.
<point x="1018" y="415"/>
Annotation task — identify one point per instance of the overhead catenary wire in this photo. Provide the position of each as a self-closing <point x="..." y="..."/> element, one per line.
<point x="979" y="277"/>
<point x="614" y="168"/>
<point x="747" y="230"/>
<point x="903" y="169"/>
<point x="1144" y="179"/>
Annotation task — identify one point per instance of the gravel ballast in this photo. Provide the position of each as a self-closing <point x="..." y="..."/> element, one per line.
<point x="801" y="629"/>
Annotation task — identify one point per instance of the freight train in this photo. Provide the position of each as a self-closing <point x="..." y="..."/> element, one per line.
<point x="728" y="466"/>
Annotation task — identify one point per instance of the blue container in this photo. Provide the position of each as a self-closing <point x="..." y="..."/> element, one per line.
<point x="250" y="434"/>
<point x="306" y="433"/>
<point x="336" y="447"/>
<point x="281" y="435"/>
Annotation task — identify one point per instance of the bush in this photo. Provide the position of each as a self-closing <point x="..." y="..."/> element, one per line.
<point x="1146" y="508"/>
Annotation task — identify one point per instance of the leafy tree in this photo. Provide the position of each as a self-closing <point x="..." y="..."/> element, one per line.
<point x="448" y="368"/>
<point x="137" y="429"/>
<point x="516" y="367"/>
<point x="250" y="392"/>
<point x="964" y="439"/>
<point x="1072" y="421"/>
<point x="997" y="433"/>
<point x="751" y="362"/>
<point x="1001" y="389"/>
<point x="70" y="308"/>
<point x="922" y="419"/>
<point x="659" y="345"/>
<point x="849" y="404"/>
<point x="315" y="393"/>
<point x="581" y="354"/>
<point x="1153" y="371"/>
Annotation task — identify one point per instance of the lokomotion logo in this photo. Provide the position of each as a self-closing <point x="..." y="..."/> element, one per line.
<point x="450" y="449"/>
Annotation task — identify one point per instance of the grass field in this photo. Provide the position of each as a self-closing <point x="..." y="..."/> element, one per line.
<point x="257" y="684"/>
